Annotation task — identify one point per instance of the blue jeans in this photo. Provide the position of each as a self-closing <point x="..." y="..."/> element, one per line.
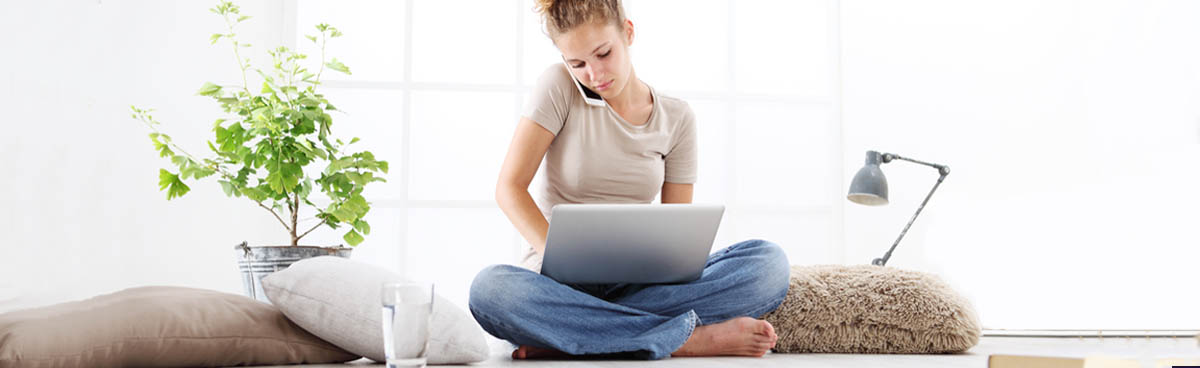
<point x="646" y="321"/>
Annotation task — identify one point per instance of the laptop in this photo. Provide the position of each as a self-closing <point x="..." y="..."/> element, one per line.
<point x="629" y="243"/>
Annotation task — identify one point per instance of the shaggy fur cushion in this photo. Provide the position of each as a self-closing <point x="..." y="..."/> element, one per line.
<point x="872" y="309"/>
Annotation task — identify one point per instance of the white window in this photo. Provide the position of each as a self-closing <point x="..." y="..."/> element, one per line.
<point x="438" y="86"/>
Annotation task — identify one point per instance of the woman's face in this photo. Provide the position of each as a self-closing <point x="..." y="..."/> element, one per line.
<point x="598" y="55"/>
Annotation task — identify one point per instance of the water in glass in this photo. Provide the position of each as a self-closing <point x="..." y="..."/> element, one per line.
<point x="407" y="309"/>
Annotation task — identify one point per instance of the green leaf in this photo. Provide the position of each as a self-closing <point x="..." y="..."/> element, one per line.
<point x="359" y="205"/>
<point x="353" y="238"/>
<point x="227" y="187"/>
<point x="291" y="176"/>
<point x="309" y="101"/>
<point x="171" y="183"/>
<point x="243" y="18"/>
<point x="208" y="89"/>
<point x="338" y="66"/>
<point x="311" y="38"/>
<point x="300" y="146"/>
<point x="344" y="213"/>
<point x="163" y="150"/>
<point x="318" y="152"/>
<point x="255" y="194"/>
<point x="275" y="180"/>
<point x="353" y="140"/>
<point x="356" y="178"/>
<point x="215" y="37"/>
<point x="305" y="189"/>
<point x="339" y="164"/>
<point x="267" y="88"/>
<point x="363" y="227"/>
<point x="200" y="172"/>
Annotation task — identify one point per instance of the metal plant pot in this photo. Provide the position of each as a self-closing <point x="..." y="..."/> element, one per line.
<point x="254" y="263"/>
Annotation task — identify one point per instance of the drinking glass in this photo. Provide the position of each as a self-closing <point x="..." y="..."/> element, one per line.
<point x="407" y="309"/>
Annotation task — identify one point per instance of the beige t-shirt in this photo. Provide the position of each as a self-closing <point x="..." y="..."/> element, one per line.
<point x="598" y="157"/>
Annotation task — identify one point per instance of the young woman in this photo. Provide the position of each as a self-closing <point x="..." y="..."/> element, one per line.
<point x="638" y="145"/>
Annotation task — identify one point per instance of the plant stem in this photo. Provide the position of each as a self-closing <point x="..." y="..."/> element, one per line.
<point x="237" y="55"/>
<point x="310" y="230"/>
<point x="319" y="71"/>
<point x="295" y="205"/>
<point x="285" y="225"/>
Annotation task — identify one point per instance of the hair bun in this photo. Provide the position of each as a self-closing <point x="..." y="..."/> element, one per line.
<point x="543" y="6"/>
<point x="562" y="15"/>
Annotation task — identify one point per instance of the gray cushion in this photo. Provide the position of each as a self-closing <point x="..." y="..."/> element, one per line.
<point x="159" y="326"/>
<point x="872" y="309"/>
<point x="339" y="300"/>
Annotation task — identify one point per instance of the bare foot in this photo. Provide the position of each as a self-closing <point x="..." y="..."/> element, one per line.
<point x="529" y="352"/>
<point x="742" y="336"/>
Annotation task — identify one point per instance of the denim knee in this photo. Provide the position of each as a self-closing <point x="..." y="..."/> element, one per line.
<point x="491" y="290"/>
<point x="774" y="273"/>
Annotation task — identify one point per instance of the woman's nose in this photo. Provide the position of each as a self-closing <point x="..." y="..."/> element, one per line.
<point x="594" y="74"/>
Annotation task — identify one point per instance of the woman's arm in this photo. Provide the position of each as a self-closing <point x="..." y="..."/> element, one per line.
<point x="676" y="193"/>
<point x="529" y="145"/>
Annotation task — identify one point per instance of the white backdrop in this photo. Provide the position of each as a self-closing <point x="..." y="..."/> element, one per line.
<point x="1070" y="128"/>
<point x="82" y="213"/>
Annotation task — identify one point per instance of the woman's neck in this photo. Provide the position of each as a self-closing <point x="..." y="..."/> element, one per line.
<point x="634" y="95"/>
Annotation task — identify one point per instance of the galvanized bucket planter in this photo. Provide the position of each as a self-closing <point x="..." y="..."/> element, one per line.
<point x="254" y="263"/>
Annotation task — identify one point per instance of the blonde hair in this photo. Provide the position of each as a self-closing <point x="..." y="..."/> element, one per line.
<point x="560" y="16"/>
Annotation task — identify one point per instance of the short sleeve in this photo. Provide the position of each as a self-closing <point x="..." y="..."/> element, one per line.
<point x="550" y="100"/>
<point x="681" y="161"/>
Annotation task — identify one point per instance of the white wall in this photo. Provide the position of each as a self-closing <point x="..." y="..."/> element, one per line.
<point x="102" y="225"/>
<point x="1072" y="129"/>
<point x="82" y="213"/>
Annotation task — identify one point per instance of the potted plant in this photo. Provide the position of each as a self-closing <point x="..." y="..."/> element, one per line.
<point x="262" y="147"/>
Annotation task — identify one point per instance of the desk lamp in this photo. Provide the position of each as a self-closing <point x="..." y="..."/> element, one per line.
<point x="870" y="188"/>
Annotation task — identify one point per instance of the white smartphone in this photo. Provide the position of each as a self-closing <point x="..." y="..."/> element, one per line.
<point x="589" y="96"/>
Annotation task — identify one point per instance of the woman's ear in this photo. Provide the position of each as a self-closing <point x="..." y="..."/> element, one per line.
<point x="628" y="26"/>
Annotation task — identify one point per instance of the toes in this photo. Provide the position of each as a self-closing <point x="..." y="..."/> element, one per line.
<point x="770" y="329"/>
<point x="764" y="348"/>
<point x="766" y="330"/>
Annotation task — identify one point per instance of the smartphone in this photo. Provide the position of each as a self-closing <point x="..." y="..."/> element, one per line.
<point x="589" y="96"/>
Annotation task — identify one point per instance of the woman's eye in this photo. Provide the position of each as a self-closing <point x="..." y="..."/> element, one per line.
<point x="605" y="54"/>
<point x="580" y="65"/>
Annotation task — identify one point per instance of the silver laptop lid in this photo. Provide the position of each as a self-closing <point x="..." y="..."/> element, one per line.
<point x="629" y="243"/>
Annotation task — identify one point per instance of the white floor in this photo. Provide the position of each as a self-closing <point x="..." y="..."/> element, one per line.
<point x="1147" y="350"/>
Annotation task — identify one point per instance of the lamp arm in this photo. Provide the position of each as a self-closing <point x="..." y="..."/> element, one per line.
<point x="943" y="170"/>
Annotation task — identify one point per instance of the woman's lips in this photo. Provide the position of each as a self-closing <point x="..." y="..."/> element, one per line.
<point x="604" y="86"/>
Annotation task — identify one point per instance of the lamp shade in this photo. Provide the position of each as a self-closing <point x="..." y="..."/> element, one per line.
<point x="869" y="186"/>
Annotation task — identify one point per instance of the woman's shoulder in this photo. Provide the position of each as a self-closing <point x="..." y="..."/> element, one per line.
<point x="672" y="106"/>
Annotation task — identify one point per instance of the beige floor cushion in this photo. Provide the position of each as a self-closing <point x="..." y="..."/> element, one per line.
<point x="872" y="309"/>
<point x="159" y="326"/>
